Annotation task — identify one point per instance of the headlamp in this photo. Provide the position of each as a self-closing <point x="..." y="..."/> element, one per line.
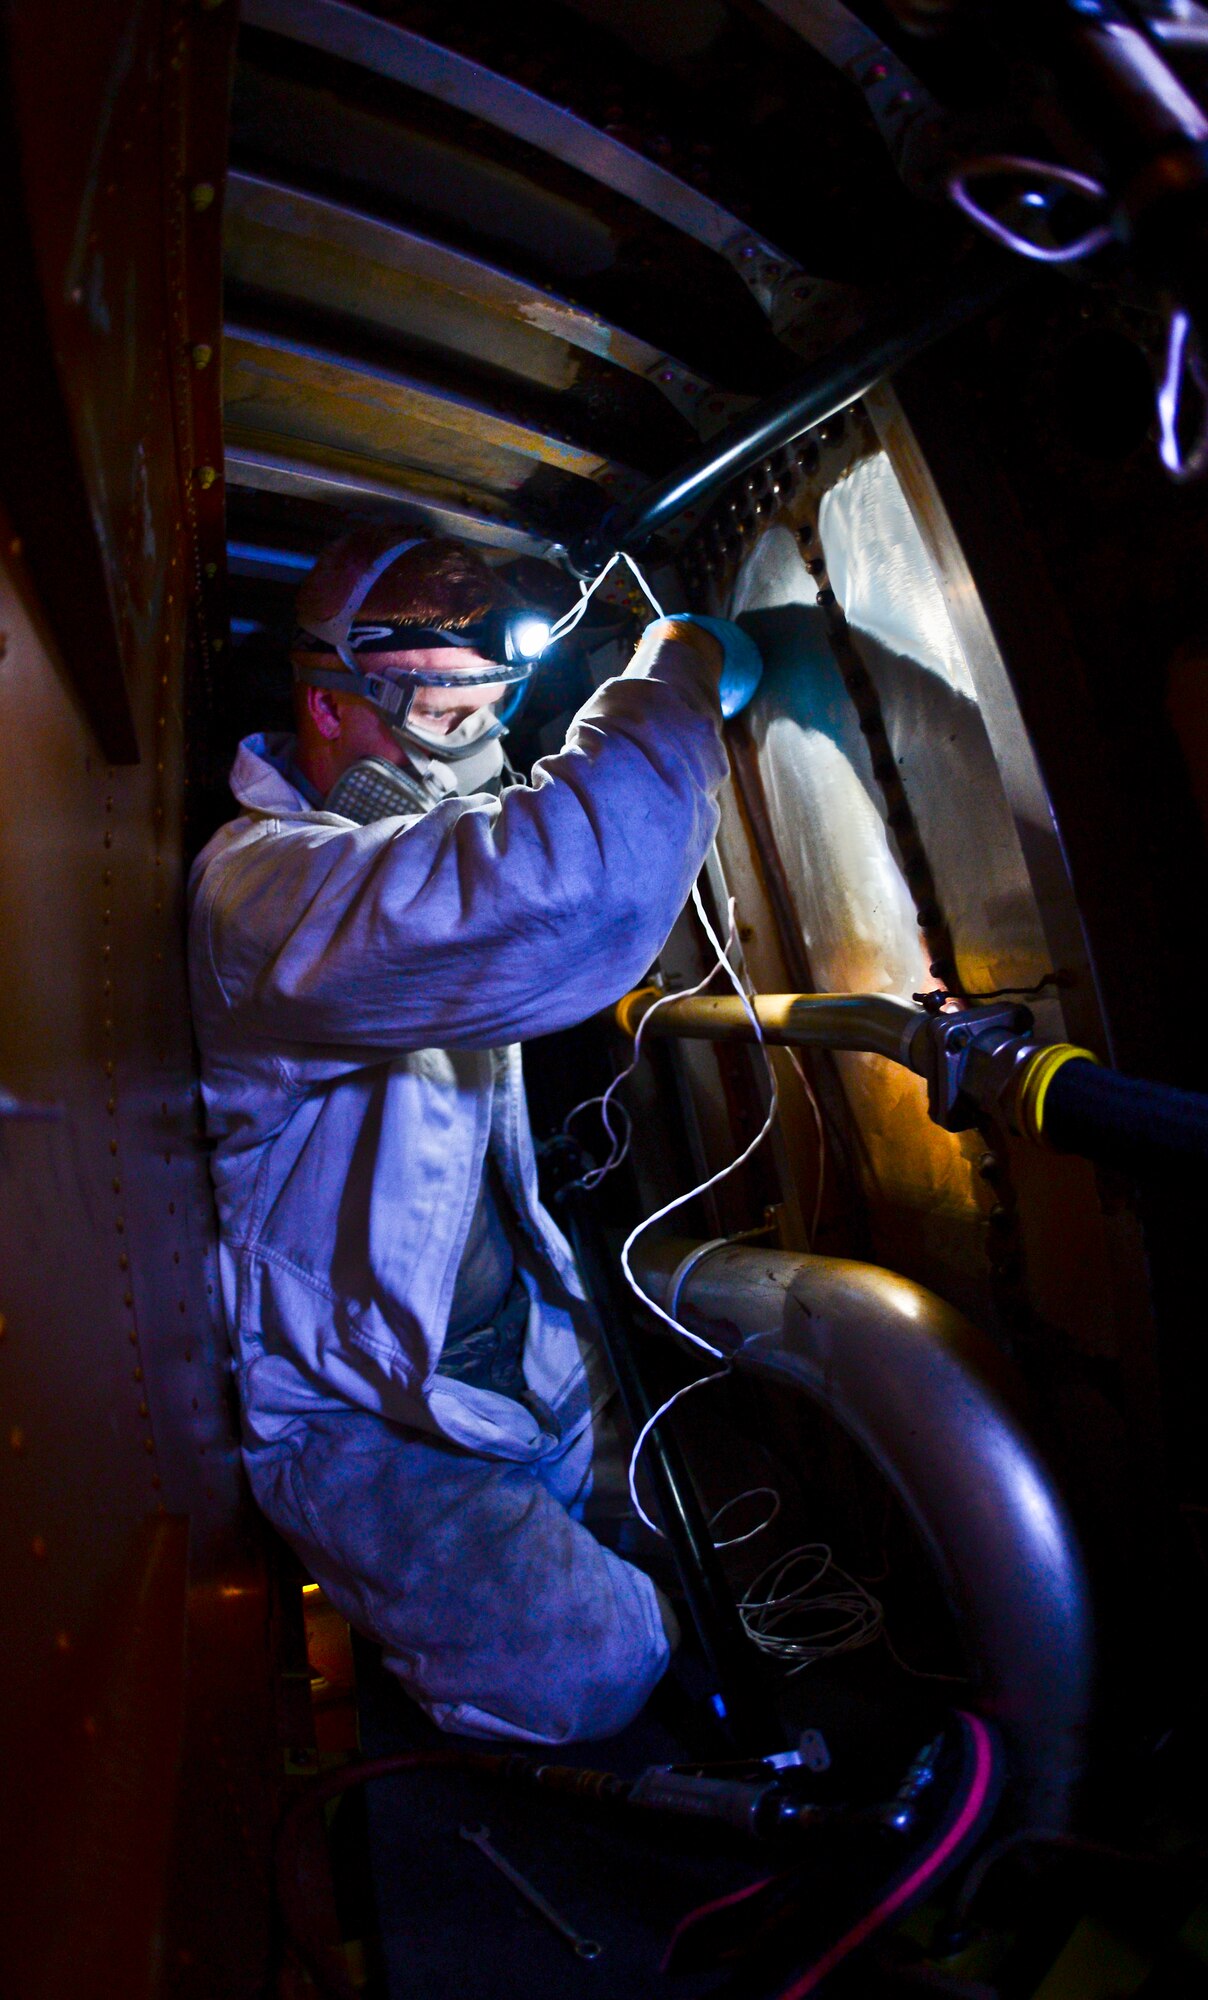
<point x="508" y="637"/>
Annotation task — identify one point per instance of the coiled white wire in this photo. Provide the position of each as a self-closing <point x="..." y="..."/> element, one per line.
<point x="825" y="1611"/>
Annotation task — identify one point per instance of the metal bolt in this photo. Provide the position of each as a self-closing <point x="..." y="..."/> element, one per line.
<point x="205" y="476"/>
<point x="202" y="196"/>
<point x="203" y="354"/>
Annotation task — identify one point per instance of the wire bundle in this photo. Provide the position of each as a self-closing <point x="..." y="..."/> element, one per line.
<point x="825" y="1611"/>
<point x="569" y="619"/>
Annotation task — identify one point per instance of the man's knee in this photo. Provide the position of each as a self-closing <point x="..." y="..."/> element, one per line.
<point x="501" y="1615"/>
<point x="589" y="1678"/>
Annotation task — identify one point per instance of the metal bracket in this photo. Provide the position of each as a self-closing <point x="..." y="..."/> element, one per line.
<point x="895" y="98"/>
<point x="707" y="409"/>
<point x="967" y="1060"/>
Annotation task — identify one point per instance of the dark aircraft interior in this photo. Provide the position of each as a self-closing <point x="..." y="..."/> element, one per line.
<point x="881" y="330"/>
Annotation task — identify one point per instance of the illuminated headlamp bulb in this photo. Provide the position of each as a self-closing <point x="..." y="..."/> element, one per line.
<point x="528" y="638"/>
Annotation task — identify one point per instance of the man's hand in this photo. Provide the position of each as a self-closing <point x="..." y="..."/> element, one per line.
<point x="705" y="643"/>
<point x="721" y="644"/>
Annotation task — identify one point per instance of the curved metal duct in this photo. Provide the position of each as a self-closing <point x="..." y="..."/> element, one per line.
<point x="924" y="1395"/>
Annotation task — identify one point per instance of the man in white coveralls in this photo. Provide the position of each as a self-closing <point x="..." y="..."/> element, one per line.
<point x="370" y="939"/>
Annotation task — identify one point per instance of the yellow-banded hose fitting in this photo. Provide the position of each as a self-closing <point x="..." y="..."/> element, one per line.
<point x="631" y="1007"/>
<point x="1033" y="1079"/>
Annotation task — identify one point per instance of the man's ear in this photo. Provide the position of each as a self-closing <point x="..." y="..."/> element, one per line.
<point x="323" y="710"/>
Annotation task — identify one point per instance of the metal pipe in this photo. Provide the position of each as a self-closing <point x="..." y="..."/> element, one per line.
<point x="877" y="1023"/>
<point x="889" y="338"/>
<point x="929" y="1401"/>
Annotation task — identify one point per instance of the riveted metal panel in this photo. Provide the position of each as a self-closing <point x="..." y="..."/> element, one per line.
<point x="113" y="1363"/>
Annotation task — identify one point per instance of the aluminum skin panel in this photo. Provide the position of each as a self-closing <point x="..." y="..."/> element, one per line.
<point x="856" y="912"/>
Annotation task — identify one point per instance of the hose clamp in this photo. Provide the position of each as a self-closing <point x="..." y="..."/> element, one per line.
<point x="1032" y="1086"/>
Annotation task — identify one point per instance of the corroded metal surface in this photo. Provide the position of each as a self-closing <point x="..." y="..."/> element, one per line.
<point x="300" y="394"/>
<point x="302" y="247"/>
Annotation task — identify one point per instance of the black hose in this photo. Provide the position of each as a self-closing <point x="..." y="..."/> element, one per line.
<point x="1121" y="1121"/>
<point x="893" y="334"/>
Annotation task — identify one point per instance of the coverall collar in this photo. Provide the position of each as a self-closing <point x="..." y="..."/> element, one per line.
<point x="264" y="778"/>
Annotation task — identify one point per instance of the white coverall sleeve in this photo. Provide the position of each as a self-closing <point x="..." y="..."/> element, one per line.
<point x="485" y="921"/>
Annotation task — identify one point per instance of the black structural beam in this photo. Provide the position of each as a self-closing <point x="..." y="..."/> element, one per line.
<point x="892" y="336"/>
<point x="741" y="1674"/>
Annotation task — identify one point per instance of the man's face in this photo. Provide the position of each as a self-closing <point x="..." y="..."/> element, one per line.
<point x="437" y="711"/>
<point x="356" y="730"/>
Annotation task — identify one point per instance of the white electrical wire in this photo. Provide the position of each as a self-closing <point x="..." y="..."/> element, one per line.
<point x="752" y="1493"/>
<point x="618" y="1147"/>
<point x="569" y="619"/>
<point x="801" y="1623"/>
<point x="669" y="1208"/>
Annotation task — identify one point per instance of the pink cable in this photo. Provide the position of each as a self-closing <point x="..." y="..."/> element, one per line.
<point x="983" y="1768"/>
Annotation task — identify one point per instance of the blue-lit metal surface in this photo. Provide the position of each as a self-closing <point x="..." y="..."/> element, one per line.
<point x="247" y="559"/>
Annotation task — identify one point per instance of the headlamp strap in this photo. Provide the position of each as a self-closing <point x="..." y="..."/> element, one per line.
<point x="393" y="698"/>
<point x="335" y="630"/>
